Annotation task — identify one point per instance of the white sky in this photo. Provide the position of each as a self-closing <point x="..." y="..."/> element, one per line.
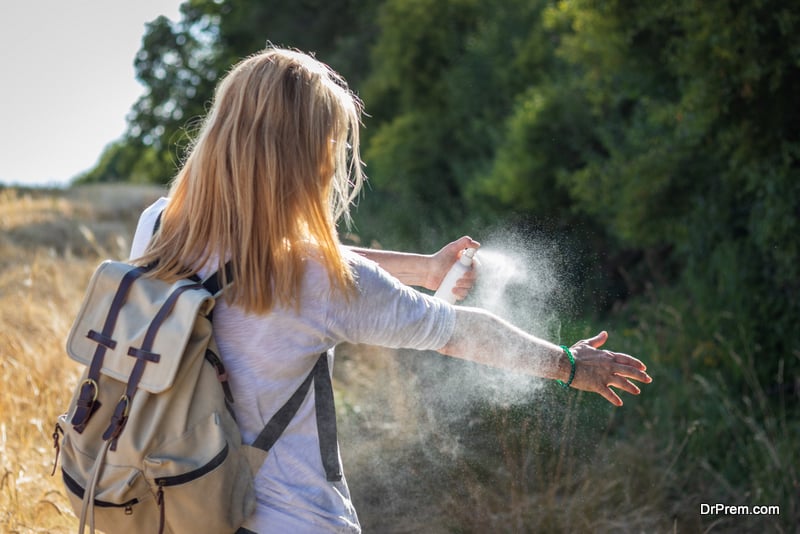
<point x="67" y="82"/>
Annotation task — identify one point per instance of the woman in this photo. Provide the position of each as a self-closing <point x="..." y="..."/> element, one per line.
<point x="274" y="167"/>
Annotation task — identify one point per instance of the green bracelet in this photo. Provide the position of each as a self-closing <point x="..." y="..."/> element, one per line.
<point x="572" y="372"/>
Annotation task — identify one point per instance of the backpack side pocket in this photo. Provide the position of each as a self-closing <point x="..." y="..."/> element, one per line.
<point x="212" y="493"/>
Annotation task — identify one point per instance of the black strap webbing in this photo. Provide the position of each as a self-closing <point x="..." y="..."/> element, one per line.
<point x="326" y="418"/>
<point x="157" y="224"/>
<point x="278" y="423"/>
<point x="213" y="283"/>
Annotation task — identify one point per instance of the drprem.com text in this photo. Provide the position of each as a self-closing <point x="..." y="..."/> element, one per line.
<point x="724" y="509"/>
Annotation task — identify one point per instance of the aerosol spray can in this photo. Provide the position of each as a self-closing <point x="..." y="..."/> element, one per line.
<point x="464" y="263"/>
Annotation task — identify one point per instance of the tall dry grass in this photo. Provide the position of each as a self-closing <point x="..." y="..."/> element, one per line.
<point x="50" y="242"/>
<point x="418" y="462"/>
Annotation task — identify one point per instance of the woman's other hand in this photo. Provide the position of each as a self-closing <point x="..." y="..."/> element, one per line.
<point x="598" y="370"/>
<point x="441" y="262"/>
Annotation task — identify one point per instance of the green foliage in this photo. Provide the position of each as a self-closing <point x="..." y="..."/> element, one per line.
<point x="445" y="76"/>
<point x="176" y="64"/>
<point x="125" y="161"/>
<point x="691" y="143"/>
<point x="545" y="139"/>
<point x="729" y="432"/>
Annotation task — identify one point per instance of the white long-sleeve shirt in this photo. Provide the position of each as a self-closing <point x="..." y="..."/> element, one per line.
<point x="268" y="356"/>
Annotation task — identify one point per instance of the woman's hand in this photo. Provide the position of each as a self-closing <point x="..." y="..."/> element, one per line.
<point x="441" y="262"/>
<point x="425" y="270"/>
<point x="599" y="370"/>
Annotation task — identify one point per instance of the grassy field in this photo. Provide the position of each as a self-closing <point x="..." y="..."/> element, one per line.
<point x="50" y="242"/>
<point x="419" y="457"/>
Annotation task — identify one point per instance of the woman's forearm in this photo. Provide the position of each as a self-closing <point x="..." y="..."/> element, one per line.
<point x="482" y="337"/>
<point x="409" y="268"/>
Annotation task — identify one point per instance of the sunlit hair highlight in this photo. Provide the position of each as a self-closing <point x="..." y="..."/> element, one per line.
<point x="275" y="165"/>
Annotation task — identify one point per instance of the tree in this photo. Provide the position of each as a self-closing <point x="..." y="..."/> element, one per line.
<point x="696" y="150"/>
<point x="179" y="63"/>
<point x="445" y="76"/>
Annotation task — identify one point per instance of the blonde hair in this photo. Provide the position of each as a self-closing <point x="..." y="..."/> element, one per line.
<point x="275" y="165"/>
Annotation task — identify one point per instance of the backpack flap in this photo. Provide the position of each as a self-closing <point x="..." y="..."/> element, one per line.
<point x="127" y="316"/>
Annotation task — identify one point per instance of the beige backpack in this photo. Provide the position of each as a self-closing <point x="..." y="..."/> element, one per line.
<point x="150" y="442"/>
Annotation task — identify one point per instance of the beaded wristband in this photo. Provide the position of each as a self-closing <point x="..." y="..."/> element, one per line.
<point x="572" y="371"/>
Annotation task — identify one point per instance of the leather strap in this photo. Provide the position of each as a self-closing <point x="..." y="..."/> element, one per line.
<point x="86" y="403"/>
<point x="143" y="355"/>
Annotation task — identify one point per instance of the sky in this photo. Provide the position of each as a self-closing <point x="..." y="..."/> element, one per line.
<point x="67" y="82"/>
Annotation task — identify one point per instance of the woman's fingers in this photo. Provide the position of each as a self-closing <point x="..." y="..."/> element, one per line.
<point x="598" y="340"/>
<point x="619" y="357"/>
<point x="456" y="247"/>
<point x="443" y="260"/>
<point x="620" y="383"/>
<point x="626" y="359"/>
<point x="461" y="291"/>
<point x="624" y="384"/>
<point x="608" y="394"/>
<point x="626" y="371"/>
<point x="467" y="242"/>
<point x="465" y="284"/>
<point x="603" y="388"/>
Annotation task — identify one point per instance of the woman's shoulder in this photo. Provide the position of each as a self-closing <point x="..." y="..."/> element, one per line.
<point x="157" y="206"/>
<point x="368" y="277"/>
<point x="145" y="226"/>
<point x="364" y="269"/>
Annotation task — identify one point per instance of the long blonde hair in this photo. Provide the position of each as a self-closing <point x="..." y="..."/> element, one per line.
<point x="275" y="165"/>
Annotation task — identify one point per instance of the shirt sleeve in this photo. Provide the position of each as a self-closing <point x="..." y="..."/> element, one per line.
<point x="144" y="230"/>
<point x="387" y="313"/>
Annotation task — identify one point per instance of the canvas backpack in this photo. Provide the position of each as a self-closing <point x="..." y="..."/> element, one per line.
<point x="150" y="442"/>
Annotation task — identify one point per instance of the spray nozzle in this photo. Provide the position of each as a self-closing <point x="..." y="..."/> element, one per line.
<point x="467" y="255"/>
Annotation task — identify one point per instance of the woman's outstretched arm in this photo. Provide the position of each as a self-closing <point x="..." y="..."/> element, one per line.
<point x="482" y="337"/>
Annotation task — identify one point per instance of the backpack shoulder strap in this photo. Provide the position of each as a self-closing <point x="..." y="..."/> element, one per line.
<point x="157" y="224"/>
<point x="326" y="418"/>
<point x="213" y="283"/>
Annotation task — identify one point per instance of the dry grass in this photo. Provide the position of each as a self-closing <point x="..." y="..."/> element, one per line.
<point x="414" y="465"/>
<point x="50" y="242"/>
